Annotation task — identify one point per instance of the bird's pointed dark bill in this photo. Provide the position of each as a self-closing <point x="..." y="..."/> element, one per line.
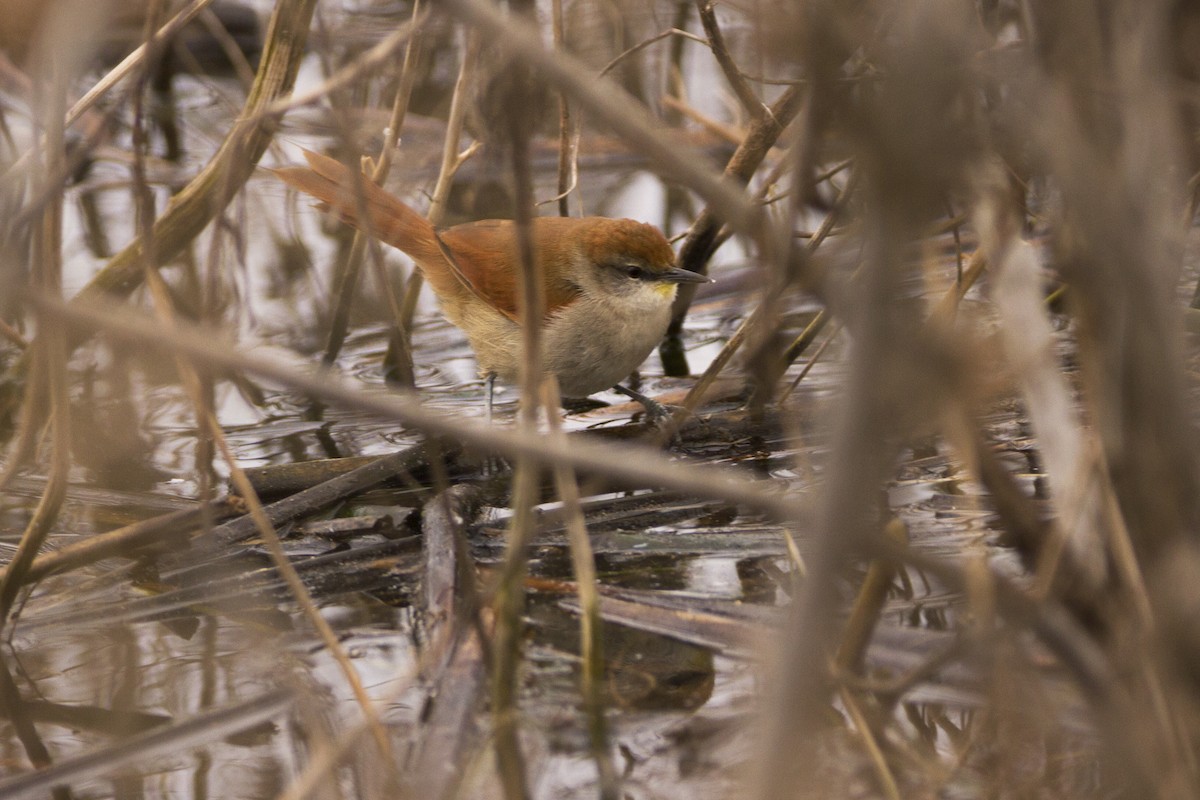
<point x="677" y="275"/>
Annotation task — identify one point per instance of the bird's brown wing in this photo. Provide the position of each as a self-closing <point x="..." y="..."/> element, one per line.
<point x="482" y="253"/>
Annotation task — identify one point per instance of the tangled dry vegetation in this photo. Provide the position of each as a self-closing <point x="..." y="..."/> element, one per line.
<point x="990" y="204"/>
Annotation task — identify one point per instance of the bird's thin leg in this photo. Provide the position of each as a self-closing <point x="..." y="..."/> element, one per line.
<point x="655" y="411"/>
<point x="492" y="465"/>
<point x="490" y="382"/>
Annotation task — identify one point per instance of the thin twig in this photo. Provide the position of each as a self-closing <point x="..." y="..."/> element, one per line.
<point x="611" y="65"/>
<point x="716" y="42"/>
<point x="568" y="128"/>
<point x="381" y="55"/>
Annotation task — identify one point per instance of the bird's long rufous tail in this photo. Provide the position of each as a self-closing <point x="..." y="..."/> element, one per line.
<point x="350" y="196"/>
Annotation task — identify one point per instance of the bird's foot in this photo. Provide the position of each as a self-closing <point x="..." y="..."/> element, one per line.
<point x="658" y="415"/>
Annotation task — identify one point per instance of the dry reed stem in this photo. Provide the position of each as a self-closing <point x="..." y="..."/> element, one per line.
<point x="120" y="541"/>
<point x="347" y="276"/>
<point x="51" y="347"/>
<point x="26" y="732"/>
<point x="702" y="238"/>
<point x="514" y="91"/>
<point x="508" y="604"/>
<point x="883" y="772"/>
<point x="193" y="384"/>
<point x="1029" y="342"/>
<point x="208" y="193"/>
<point x="346" y="286"/>
<point x="627" y="464"/>
<point x="568" y="127"/>
<point x="200" y="730"/>
<point x="722" y="130"/>
<point x="229" y="48"/>
<point x="51" y="362"/>
<point x="115" y="76"/>
<point x="13" y="335"/>
<point x="308" y="608"/>
<point x="135" y="59"/>
<point x="868" y="605"/>
<point x="751" y="327"/>
<point x="946" y="308"/>
<point x="590" y="632"/>
<point x="863" y="448"/>
<point x="322" y="764"/>
<point x="802" y="342"/>
<point x="750" y="102"/>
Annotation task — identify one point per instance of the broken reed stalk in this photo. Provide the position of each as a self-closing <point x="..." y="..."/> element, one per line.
<point x="163" y="530"/>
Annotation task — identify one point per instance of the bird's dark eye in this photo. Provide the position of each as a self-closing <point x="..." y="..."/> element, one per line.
<point x="637" y="273"/>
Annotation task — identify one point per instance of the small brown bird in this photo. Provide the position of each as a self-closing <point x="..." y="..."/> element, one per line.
<point x="608" y="283"/>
